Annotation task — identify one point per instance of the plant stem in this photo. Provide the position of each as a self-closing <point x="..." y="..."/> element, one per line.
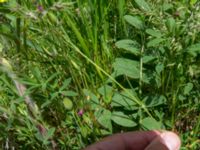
<point x="18" y="30"/>
<point x="141" y="72"/>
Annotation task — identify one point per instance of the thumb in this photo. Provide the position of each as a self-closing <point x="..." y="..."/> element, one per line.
<point x="165" y="141"/>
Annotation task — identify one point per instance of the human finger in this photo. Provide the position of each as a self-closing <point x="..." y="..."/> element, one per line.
<point x="165" y="141"/>
<point x="126" y="141"/>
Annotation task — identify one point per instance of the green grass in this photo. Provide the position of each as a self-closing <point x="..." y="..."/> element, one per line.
<point x="128" y="65"/>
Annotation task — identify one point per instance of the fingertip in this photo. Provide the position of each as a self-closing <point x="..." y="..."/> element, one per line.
<point x="172" y="140"/>
<point x="166" y="141"/>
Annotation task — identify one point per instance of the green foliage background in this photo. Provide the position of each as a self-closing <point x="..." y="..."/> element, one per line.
<point x="74" y="71"/>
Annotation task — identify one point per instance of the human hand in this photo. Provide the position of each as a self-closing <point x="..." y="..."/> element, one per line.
<point x="140" y="140"/>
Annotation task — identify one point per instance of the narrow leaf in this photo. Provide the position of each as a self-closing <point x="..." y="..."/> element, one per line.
<point x="69" y="93"/>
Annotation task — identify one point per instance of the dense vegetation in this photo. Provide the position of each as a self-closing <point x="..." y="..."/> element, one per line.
<point x="74" y="71"/>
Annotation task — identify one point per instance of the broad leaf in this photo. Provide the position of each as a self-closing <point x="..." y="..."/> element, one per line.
<point x="159" y="68"/>
<point x="67" y="103"/>
<point x="122" y="100"/>
<point x="143" y="5"/>
<point x="192" y="2"/>
<point x="167" y="6"/>
<point x="123" y="66"/>
<point x="128" y="45"/>
<point x="152" y="101"/>
<point x="92" y="98"/>
<point x="194" y="50"/>
<point x="146" y="59"/>
<point x="188" y="88"/>
<point x="154" y="33"/>
<point x="151" y="124"/>
<point x="104" y="118"/>
<point x="155" y="42"/>
<point x="106" y="91"/>
<point x="171" y="25"/>
<point x="123" y="120"/>
<point x="134" y="21"/>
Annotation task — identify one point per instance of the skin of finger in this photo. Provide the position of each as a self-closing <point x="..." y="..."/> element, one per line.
<point x="157" y="146"/>
<point x="126" y="141"/>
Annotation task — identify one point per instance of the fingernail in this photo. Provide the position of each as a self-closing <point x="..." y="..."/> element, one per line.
<point x="171" y="140"/>
<point x="166" y="141"/>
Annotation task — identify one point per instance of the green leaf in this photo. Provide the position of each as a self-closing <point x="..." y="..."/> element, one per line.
<point x="128" y="45"/>
<point x="123" y="100"/>
<point x="92" y="98"/>
<point x="152" y="101"/>
<point x="151" y="124"/>
<point x="154" y="33"/>
<point x="134" y="21"/>
<point x="107" y="92"/>
<point x="39" y="137"/>
<point x="181" y="97"/>
<point x="147" y="59"/>
<point x="143" y="5"/>
<point x="155" y="42"/>
<point x="52" y="17"/>
<point x="1" y="47"/>
<point x="167" y="6"/>
<point x="146" y="77"/>
<point x="194" y="49"/>
<point x="159" y="68"/>
<point x="188" y="88"/>
<point x="45" y="104"/>
<point x="69" y="93"/>
<point x="37" y="74"/>
<point x="67" y="103"/>
<point x="123" y="66"/>
<point x="105" y="132"/>
<point x="84" y="131"/>
<point x="171" y="25"/>
<point x="65" y="84"/>
<point x="123" y="120"/>
<point x="50" y="133"/>
<point x="104" y="118"/>
<point x="192" y="2"/>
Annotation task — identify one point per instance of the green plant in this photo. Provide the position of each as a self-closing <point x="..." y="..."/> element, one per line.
<point x="74" y="71"/>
